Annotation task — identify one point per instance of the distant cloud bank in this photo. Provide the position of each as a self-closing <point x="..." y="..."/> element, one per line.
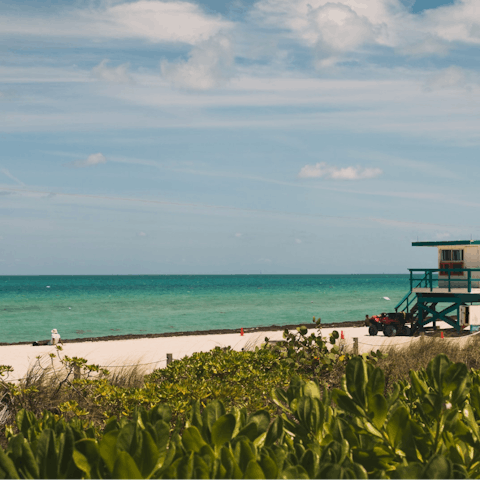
<point x="323" y="170"/>
<point x="93" y="159"/>
<point x="118" y="74"/>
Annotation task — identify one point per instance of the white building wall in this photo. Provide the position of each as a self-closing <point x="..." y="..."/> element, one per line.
<point x="471" y="259"/>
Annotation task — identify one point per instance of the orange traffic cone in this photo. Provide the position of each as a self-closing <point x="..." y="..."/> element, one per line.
<point x="342" y="337"/>
<point x="441" y="334"/>
<point x="241" y="332"/>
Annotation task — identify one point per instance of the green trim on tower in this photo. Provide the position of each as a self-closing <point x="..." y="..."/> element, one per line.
<point x="444" y="243"/>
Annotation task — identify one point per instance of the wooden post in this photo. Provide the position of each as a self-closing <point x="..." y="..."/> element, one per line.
<point x="76" y="372"/>
<point x="169" y="358"/>
<point x="355" y="346"/>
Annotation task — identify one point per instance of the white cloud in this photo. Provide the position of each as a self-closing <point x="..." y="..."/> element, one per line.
<point x="458" y="22"/>
<point x="142" y="234"/>
<point x="9" y="175"/>
<point x="238" y="235"/>
<point x="297" y="240"/>
<point x="425" y="47"/>
<point x="342" y="24"/>
<point x="153" y="20"/>
<point x="452" y="77"/>
<point x="118" y="74"/>
<point x="323" y="170"/>
<point x="209" y="65"/>
<point x="335" y="28"/>
<point x="93" y="159"/>
<point x="339" y="27"/>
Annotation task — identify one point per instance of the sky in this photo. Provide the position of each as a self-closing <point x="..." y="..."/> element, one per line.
<point x="236" y="136"/>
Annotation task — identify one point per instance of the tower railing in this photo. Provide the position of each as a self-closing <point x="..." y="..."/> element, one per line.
<point x="433" y="278"/>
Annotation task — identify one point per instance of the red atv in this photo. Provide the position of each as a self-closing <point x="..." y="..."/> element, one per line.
<point x="390" y="324"/>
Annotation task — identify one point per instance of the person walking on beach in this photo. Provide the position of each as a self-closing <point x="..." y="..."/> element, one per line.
<point x="55" y="337"/>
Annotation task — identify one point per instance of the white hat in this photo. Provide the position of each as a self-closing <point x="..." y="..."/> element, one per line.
<point x="54" y="330"/>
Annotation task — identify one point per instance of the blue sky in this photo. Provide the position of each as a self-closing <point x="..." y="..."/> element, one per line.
<point x="218" y="137"/>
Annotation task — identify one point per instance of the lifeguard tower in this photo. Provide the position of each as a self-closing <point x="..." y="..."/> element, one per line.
<point x="449" y="293"/>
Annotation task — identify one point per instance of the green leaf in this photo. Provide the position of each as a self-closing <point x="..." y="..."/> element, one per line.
<point x="231" y="467"/>
<point x="47" y="455"/>
<point x="356" y="380"/>
<point x="280" y="398"/>
<point x="108" y="449"/>
<point x="296" y="472"/>
<point x="25" y="420"/>
<point x="192" y="439"/>
<point x="160" y="412"/>
<point x="436" y="371"/>
<point x="201" y="469"/>
<point x="162" y="433"/>
<point x="456" y="381"/>
<point x="128" y="438"/>
<point x="311" y="463"/>
<point x="65" y="451"/>
<point x="250" y="431"/>
<point x="253" y="470"/>
<point x="268" y="466"/>
<point x="419" y="385"/>
<point x="359" y="471"/>
<point x="212" y="412"/>
<point x="379" y="407"/>
<point x="125" y="467"/>
<point x="147" y="459"/>
<point x="262" y="419"/>
<point x="222" y="430"/>
<point x="396" y="425"/>
<point x="376" y="383"/>
<point x="346" y="403"/>
<point x="412" y="470"/>
<point x="29" y="465"/>
<point x="185" y="467"/>
<point x="331" y="470"/>
<point x="438" y="467"/>
<point x="243" y="453"/>
<point x="7" y="465"/>
<point x="275" y="432"/>
<point x="195" y="415"/>
<point x="469" y="418"/>
<point x="81" y="463"/>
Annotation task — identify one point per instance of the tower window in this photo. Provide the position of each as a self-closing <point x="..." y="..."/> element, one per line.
<point x="452" y="255"/>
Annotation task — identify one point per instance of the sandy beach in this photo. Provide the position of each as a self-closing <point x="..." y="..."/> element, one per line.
<point x="151" y="353"/>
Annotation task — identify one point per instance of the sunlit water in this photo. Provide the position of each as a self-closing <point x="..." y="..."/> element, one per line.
<point x="94" y="306"/>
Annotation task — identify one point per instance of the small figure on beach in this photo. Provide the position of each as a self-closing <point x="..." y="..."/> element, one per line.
<point x="55" y="337"/>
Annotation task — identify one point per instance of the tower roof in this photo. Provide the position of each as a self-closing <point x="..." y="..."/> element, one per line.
<point x="446" y="243"/>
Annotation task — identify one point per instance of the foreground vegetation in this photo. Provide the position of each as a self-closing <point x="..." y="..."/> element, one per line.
<point x="295" y="410"/>
<point x="426" y="429"/>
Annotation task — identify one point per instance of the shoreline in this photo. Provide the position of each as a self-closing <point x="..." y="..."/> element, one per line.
<point x="222" y="331"/>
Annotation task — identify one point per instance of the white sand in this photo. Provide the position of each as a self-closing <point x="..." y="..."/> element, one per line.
<point x="153" y="351"/>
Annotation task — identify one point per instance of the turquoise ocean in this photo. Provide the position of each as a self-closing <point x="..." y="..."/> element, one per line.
<point x="96" y="306"/>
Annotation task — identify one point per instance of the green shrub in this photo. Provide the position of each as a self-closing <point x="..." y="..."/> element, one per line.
<point x="426" y="429"/>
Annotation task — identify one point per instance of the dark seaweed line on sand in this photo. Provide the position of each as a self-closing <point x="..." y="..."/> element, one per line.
<point x="359" y="323"/>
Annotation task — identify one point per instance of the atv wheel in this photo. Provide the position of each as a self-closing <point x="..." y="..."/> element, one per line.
<point x="390" y="331"/>
<point x="372" y="330"/>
